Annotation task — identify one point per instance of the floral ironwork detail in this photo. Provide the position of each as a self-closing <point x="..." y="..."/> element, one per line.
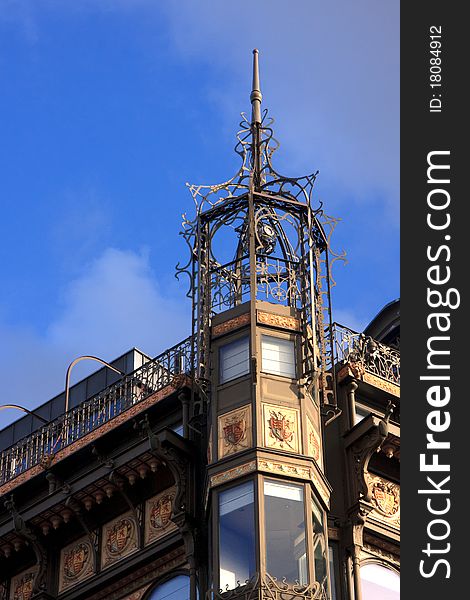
<point x="266" y="586"/>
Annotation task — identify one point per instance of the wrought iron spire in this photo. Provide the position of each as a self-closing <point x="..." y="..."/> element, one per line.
<point x="255" y="95"/>
<point x="256" y="134"/>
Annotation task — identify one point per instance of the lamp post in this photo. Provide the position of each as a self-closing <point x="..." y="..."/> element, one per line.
<point x="69" y="370"/>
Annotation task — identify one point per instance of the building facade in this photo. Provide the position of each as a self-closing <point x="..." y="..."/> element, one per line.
<point x="257" y="458"/>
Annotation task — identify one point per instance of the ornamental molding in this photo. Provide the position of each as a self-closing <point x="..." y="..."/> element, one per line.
<point x="381" y="550"/>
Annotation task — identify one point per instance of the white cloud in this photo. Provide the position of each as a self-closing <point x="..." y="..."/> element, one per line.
<point x="114" y="305"/>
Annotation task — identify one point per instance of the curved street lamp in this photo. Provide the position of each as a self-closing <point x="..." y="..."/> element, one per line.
<point x="23" y="409"/>
<point x="73" y="363"/>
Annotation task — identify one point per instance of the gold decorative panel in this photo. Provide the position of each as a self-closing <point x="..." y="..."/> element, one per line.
<point x="281" y="427"/>
<point x="235" y="431"/>
<point x="21" y="587"/>
<point x="283" y="322"/>
<point x="119" y="539"/>
<point x="230" y="325"/>
<point x="385" y="496"/>
<point x="76" y="563"/>
<point x="158" y="512"/>
<point x="313" y="443"/>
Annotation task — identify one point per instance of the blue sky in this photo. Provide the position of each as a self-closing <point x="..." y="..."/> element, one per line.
<point x="107" y="108"/>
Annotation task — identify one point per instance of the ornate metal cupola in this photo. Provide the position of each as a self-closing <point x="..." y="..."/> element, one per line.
<point x="260" y="237"/>
<point x="263" y="382"/>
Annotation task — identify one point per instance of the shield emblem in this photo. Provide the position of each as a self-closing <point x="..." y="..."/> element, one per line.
<point x="234" y="432"/>
<point x="24" y="589"/>
<point x="386" y="501"/>
<point x="161" y="512"/>
<point x="280" y="427"/>
<point x="75" y="561"/>
<point x="119" y="536"/>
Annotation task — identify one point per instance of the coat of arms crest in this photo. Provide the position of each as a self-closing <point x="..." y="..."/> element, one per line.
<point x="119" y="536"/>
<point x="235" y="430"/>
<point x="385" y="497"/>
<point x="281" y="427"/>
<point x="75" y="560"/>
<point x="24" y="587"/>
<point x="160" y="513"/>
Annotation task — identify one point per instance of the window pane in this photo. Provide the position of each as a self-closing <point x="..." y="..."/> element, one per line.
<point x="285" y="531"/>
<point x="379" y="582"/>
<point x="278" y="356"/>
<point x="174" y="589"/>
<point x="333" y="556"/>
<point x="361" y="413"/>
<point x="234" y="360"/>
<point x="236" y="535"/>
<point x="319" y="553"/>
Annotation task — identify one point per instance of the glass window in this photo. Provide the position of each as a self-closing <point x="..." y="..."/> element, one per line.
<point x="379" y="582"/>
<point x="333" y="560"/>
<point x="361" y="413"/>
<point x="176" y="588"/>
<point x="286" y="554"/>
<point x="278" y="356"/>
<point x="234" y="359"/>
<point x="319" y="545"/>
<point x="236" y="535"/>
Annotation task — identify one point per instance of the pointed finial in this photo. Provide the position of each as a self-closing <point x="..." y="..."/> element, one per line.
<point x="255" y="96"/>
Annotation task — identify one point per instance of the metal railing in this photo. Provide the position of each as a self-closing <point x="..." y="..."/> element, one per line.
<point x="114" y="400"/>
<point x="376" y="358"/>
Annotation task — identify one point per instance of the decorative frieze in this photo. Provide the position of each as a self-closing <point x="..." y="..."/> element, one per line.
<point x="158" y="511"/>
<point x="382" y="384"/>
<point x="281" y="428"/>
<point x="280" y="321"/>
<point x="275" y="467"/>
<point x="119" y="539"/>
<point x="231" y="325"/>
<point x="234" y="431"/>
<point x="76" y="563"/>
<point x="230" y="474"/>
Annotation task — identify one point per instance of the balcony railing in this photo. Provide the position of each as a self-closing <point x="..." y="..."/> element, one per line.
<point x="132" y="389"/>
<point x="359" y="349"/>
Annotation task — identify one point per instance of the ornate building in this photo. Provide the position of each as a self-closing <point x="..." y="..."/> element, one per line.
<point x="257" y="458"/>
